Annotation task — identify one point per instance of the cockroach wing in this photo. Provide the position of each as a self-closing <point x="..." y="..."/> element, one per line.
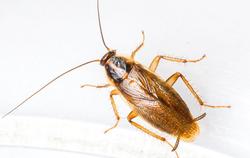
<point x="158" y="103"/>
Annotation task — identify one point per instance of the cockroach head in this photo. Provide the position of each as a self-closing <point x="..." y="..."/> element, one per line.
<point x="107" y="56"/>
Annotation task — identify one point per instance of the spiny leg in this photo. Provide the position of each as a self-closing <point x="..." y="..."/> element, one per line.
<point x="132" y="115"/>
<point x="139" y="47"/>
<point x="172" y="79"/>
<point x="112" y="93"/>
<point x="176" y="142"/>
<point x="179" y="136"/>
<point x="95" y="86"/>
<point x="199" y="117"/>
<point x="154" y="64"/>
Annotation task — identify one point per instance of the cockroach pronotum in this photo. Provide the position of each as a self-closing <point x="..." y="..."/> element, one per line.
<point x="148" y="95"/>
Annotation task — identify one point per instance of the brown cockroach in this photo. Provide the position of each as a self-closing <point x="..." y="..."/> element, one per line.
<point x="148" y="95"/>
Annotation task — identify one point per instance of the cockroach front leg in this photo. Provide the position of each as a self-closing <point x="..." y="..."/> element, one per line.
<point x="154" y="64"/>
<point x="139" y="47"/>
<point x="133" y="115"/>
<point x="95" y="86"/>
<point x="112" y="93"/>
<point x="172" y="79"/>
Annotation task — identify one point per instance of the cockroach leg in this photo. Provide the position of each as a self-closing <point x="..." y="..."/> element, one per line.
<point x="112" y="93"/>
<point x="172" y="79"/>
<point x="154" y="64"/>
<point x="139" y="47"/>
<point x="176" y="143"/>
<point x="95" y="86"/>
<point x="132" y="115"/>
<point x="200" y="117"/>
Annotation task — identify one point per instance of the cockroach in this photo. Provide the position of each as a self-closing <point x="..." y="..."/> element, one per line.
<point x="147" y="94"/>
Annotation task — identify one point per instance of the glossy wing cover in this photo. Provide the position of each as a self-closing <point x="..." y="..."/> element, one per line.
<point x="158" y="103"/>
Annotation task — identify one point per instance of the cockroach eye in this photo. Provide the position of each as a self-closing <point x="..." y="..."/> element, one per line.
<point x="119" y="62"/>
<point x="107" y="56"/>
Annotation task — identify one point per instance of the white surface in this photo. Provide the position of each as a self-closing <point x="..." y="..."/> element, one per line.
<point x="88" y="140"/>
<point x="40" y="39"/>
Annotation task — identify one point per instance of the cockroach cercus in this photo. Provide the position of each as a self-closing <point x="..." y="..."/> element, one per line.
<point x="149" y="97"/>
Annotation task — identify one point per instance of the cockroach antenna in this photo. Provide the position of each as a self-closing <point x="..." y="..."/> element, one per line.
<point x="66" y="72"/>
<point x="47" y="84"/>
<point x="100" y="26"/>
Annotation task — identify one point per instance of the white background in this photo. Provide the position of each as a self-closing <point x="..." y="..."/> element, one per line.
<point x="41" y="39"/>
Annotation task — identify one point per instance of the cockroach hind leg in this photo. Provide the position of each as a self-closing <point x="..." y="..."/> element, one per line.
<point x="199" y="117"/>
<point x="176" y="143"/>
<point x="216" y="106"/>
<point x="172" y="79"/>
<point x="133" y="114"/>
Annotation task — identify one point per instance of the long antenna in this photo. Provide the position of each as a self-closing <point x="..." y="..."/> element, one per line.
<point x="51" y="81"/>
<point x="100" y="26"/>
